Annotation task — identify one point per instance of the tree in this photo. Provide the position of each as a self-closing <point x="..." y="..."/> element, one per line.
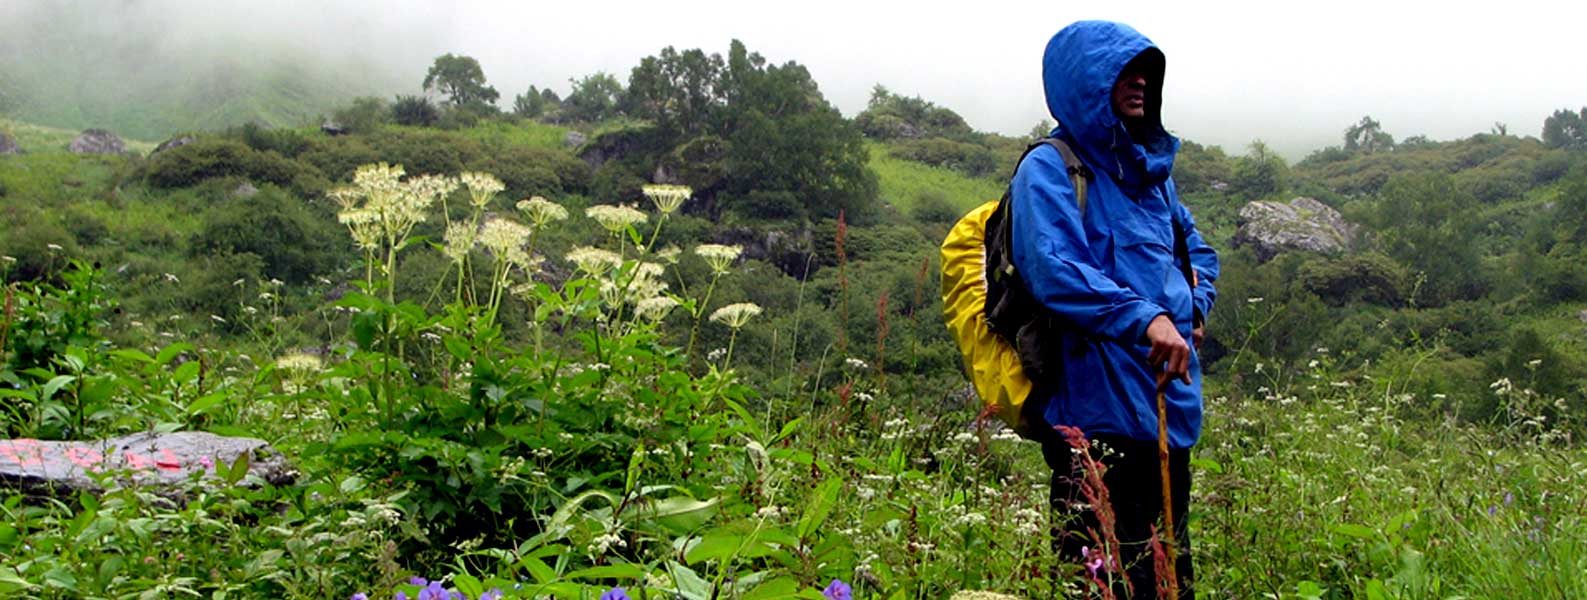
<point x="415" y="111"/>
<point x="1566" y="129"/>
<point x="1367" y="137"/>
<point x="531" y="104"/>
<point x="594" y="98"/>
<point x="461" y="80"/>
<point x="1427" y="223"/>
<point x="680" y="92"/>
<point x="1260" y="173"/>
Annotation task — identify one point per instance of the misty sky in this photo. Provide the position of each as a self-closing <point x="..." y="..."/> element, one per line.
<point x="1294" y="74"/>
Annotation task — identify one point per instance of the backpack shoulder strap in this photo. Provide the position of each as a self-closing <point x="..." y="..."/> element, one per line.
<point x="1079" y="173"/>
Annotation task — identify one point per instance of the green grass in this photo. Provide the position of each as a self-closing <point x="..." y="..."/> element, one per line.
<point x="37" y="139"/>
<point x="522" y="133"/>
<point x="904" y="182"/>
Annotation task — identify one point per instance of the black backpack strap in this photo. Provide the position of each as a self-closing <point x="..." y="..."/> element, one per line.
<point x="1079" y="173"/>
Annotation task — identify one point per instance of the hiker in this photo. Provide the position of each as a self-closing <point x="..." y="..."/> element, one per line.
<point x="1115" y="276"/>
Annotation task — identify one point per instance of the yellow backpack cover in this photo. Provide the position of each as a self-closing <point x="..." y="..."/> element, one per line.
<point x="990" y="361"/>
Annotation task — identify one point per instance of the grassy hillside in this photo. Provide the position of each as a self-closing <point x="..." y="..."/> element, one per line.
<point x="905" y="183"/>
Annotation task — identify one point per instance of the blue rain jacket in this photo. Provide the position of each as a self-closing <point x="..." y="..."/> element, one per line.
<point x="1109" y="273"/>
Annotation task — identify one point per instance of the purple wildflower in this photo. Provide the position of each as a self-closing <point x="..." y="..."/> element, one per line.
<point x="418" y="581"/>
<point x="837" y="590"/>
<point x="1508" y="498"/>
<point x="615" y="593"/>
<point x="435" y="591"/>
<point x="1091" y="563"/>
<point x="400" y="595"/>
<point x="493" y="594"/>
<point x="1492" y="509"/>
<point x="359" y="596"/>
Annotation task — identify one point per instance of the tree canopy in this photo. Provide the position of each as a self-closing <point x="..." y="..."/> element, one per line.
<point x="461" y="80"/>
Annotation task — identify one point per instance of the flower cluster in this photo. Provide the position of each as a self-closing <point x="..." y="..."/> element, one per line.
<point x="720" y="257"/>
<point x="482" y="187"/>
<point x="736" y="315"/>
<point x="615" y="218"/>
<point x="542" y="212"/>
<point x="667" y="198"/>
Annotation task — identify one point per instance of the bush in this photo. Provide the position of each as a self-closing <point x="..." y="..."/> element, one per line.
<point x="364" y="116"/>
<point x="414" y="111"/>
<point x="30" y="233"/>
<point x="285" y="142"/>
<point x="87" y="228"/>
<point x="339" y="157"/>
<point x="194" y="163"/>
<point x="932" y="206"/>
<point x="290" y="242"/>
<point x="535" y="171"/>
<point x="424" y="151"/>
<point x="970" y="159"/>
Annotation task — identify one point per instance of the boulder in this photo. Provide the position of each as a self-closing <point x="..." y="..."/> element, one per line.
<point x="176" y="142"/>
<point x="1582" y="315"/>
<point x="574" y="139"/>
<point x="1300" y="224"/>
<point x="8" y="144"/>
<point x="164" y="461"/>
<point x="244" y="190"/>
<point x="97" y="141"/>
<point x="332" y="128"/>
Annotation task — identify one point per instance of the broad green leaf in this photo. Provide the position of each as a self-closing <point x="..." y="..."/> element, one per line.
<point x="781" y="587"/>
<point x="821" y="503"/>
<point x="1356" y="531"/>
<point x="55" y="385"/>
<point x="467" y="584"/>
<point x="617" y="571"/>
<point x="714" y="547"/>
<point x="131" y="354"/>
<point x="170" y="352"/>
<point x="185" y="373"/>
<point x="538" y="570"/>
<point x="204" y="403"/>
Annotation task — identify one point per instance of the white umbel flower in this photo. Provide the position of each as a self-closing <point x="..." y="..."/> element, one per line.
<point x="736" y="315"/>
<point x="541" y="211"/>
<point x="482" y="187"/>
<point x="667" y="198"/>
<point x="615" y="218"/>
<point x="594" y="261"/>
<point x="720" y="257"/>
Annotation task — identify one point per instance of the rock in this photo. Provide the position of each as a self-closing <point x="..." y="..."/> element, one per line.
<point x="176" y="142"/>
<point x="574" y="139"/>
<point x="97" y="141"/>
<point x="246" y="190"/>
<point x="1582" y="315"/>
<point x="1301" y="224"/>
<point x="332" y="128"/>
<point x="8" y="144"/>
<point x="161" y="460"/>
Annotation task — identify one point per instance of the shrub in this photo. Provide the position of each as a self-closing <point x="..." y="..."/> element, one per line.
<point x="291" y="243"/>
<point x="205" y="159"/>
<point x="932" y="206"/>
<point x="425" y="151"/>
<point x="30" y="233"/>
<point x="970" y="159"/>
<point x="338" y="157"/>
<point x="285" y="142"/>
<point x="363" y="116"/>
<point x="414" y="111"/>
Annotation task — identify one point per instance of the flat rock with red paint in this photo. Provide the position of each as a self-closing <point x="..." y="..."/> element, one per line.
<point x="163" y="460"/>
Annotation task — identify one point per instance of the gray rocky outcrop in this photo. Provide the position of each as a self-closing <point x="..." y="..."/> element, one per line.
<point x="244" y="190"/>
<point x="97" y="141"/>
<point x="165" y="461"/>
<point x="1301" y="224"/>
<point x="8" y="144"/>
<point x="176" y="142"/>
<point x="574" y="139"/>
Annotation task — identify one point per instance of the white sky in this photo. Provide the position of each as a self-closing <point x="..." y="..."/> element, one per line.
<point x="1293" y="74"/>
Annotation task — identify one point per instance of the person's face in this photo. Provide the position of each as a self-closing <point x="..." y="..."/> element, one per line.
<point x="1129" y="93"/>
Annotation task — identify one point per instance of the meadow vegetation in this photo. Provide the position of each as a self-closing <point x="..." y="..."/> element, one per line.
<point x="682" y="337"/>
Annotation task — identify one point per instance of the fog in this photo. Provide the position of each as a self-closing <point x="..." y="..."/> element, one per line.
<point x="1292" y="75"/>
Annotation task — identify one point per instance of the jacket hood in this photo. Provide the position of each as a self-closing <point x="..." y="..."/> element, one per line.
<point x="1080" y="66"/>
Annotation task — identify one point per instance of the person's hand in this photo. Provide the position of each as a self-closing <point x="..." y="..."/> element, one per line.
<point x="1197" y="334"/>
<point x="1169" y="349"/>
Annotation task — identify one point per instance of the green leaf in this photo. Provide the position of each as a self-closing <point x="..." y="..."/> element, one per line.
<point x="204" y="403"/>
<point x="1309" y="590"/>
<point x="365" y="325"/>
<point x="1376" y="591"/>
<point x="132" y="355"/>
<point x="238" y="470"/>
<point x="1207" y="464"/>
<point x="170" y="352"/>
<point x="470" y="586"/>
<point x="781" y="587"/>
<point x="821" y="503"/>
<point x="458" y="347"/>
<point x="690" y="585"/>
<point x="1356" y="531"/>
<point x="538" y="570"/>
<point x="617" y="571"/>
<point x="713" y="547"/>
<point x="55" y="384"/>
<point x="185" y="373"/>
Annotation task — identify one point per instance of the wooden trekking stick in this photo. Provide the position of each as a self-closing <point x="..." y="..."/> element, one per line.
<point x="1169" y="546"/>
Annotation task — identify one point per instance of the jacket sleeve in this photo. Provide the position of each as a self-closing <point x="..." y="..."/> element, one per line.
<point x="1203" y="259"/>
<point x="1051" y="254"/>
